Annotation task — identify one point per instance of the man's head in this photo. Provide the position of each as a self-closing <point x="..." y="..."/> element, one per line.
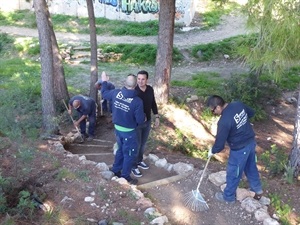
<point x="142" y="78"/>
<point x="131" y="81"/>
<point x="76" y="104"/>
<point x="216" y="104"/>
<point x="98" y="84"/>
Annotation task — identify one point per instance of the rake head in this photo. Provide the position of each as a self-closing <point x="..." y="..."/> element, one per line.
<point x="195" y="201"/>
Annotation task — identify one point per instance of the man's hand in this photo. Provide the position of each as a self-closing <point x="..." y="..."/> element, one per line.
<point x="76" y="123"/>
<point x="104" y="77"/>
<point x="156" y="123"/>
<point x="210" y="154"/>
<point x="69" y="111"/>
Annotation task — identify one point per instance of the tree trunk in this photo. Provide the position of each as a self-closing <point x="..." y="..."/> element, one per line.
<point x="60" y="85"/>
<point x="163" y="63"/>
<point x="93" y="41"/>
<point x="294" y="158"/>
<point x="48" y="103"/>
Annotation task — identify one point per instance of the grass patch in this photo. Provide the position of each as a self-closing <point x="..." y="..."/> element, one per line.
<point x="141" y="54"/>
<point x="73" y="24"/>
<point x="204" y="83"/>
<point x="234" y="47"/>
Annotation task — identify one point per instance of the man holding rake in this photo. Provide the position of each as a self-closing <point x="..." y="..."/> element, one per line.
<point x="235" y="128"/>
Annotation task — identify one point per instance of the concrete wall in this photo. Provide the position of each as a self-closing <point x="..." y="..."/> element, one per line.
<point x="129" y="10"/>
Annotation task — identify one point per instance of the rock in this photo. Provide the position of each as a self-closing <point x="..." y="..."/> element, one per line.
<point x="107" y="175"/>
<point x="264" y="201"/>
<point x="160" y="220"/>
<point x="261" y="214"/>
<point x="89" y="199"/>
<point x="270" y="221"/>
<point x="102" y="222"/>
<point x="153" y="157"/>
<point x="218" y="178"/>
<point x="144" y="203"/>
<point x="102" y="166"/>
<point x="161" y="163"/>
<point x="81" y="158"/>
<point x="182" y="168"/>
<point x="242" y="193"/>
<point x="250" y="204"/>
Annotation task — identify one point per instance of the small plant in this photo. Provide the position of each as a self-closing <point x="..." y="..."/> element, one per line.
<point x="25" y="206"/>
<point x="275" y="160"/>
<point x="102" y="193"/>
<point x="289" y="174"/>
<point x="281" y="209"/>
<point x="64" y="173"/>
<point x="83" y="175"/>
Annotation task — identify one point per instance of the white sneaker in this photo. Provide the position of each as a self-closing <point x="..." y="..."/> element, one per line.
<point x="136" y="172"/>
<point x="143" y="166"/>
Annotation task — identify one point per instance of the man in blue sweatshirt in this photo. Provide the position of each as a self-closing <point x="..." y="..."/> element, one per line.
<point x="127" y="114"/>
<point x="106" y="105"/>
<point x="86" y="108"/>
<point x="235" y="128"/>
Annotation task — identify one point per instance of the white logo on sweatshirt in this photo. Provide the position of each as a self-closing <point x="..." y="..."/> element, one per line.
<point x="240" y="119"/>
<point x="121" y="97"/>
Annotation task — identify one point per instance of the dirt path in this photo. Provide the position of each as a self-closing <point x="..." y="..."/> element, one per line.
<point x="230" y="26"/>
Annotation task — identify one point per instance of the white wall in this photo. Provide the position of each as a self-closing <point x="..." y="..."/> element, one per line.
<point x="185" y="9"/>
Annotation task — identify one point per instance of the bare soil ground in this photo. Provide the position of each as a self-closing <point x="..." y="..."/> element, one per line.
<point x="61" y="180"/>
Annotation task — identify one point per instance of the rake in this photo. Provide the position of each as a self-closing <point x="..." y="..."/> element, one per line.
<point x="82" y="140"/>
<point x="194" y="199"/>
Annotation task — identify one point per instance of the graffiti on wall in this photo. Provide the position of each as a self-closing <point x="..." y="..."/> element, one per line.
<point x="137" y="6"/>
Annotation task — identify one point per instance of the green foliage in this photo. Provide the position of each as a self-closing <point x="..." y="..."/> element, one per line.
<point x="24" y="18"/>
<point x="251" y="91"/>
<point x="130" y="219"/>
<point x="234" y="47"/>
<point x="64" y="173"/>
<point x="28" y="46"/>
<point x="102" y="193"/>
<point x="290" y="79"/>
<point x="281" y="209"/>
<point x="137" y="53"/>
<point x="213" y="16"/>
<point x="136" y="28"/>
<point x="83" y="175"/>
<point x="20" y="97"/>
<point x="204" y="82"/>
<point x="289" y="174"/>
<point x="25" y="206"/>
<point x="73" y="24"/>
<point x="278" y="45"/>
<point x="275" y="160"/>
<point x="5" y="42"/>
<point x="185" y="145"/>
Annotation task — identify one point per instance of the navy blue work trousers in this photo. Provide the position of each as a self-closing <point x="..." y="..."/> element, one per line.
<point x="126" y="153"/>
<point x="242" y="160"/>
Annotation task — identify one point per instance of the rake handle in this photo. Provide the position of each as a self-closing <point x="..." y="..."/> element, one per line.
<point x="202" y="175"/>
<point x="71" y="117"/>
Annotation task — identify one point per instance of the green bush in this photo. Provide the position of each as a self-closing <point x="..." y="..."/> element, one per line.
<point x="275" y="160"/>
<point x="234" y="47"/>
<point x="5" y="42"/>
<point x="143" y="54"/>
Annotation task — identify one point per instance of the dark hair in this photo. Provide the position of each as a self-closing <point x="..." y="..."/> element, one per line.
<point x="144" y="72"/>
<point x="214" y="101"/>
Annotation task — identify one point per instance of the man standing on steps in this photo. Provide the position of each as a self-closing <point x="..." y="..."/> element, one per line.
<point x="235" y="128"/>
<point x="146" y="93"/>
<point x="106" y="105"/>
<point x="127" y="114"/>
<point x="86" y="108"/>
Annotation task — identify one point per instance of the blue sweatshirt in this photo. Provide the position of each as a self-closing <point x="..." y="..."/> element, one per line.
<point x="234" y="127"/>
<point x="87" y="104"/>
<point x="127" y="109"/>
